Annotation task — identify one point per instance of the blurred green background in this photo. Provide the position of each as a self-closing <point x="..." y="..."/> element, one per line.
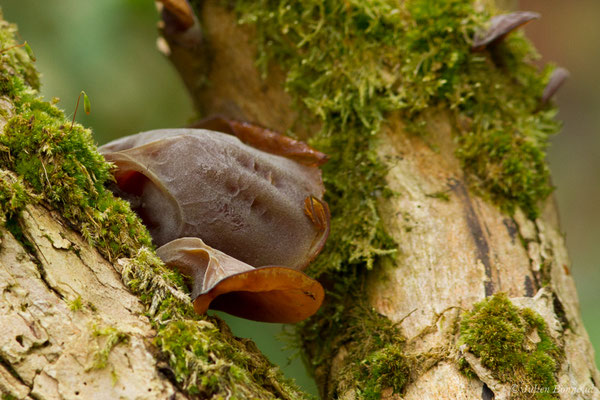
<point x="107" y="48"/>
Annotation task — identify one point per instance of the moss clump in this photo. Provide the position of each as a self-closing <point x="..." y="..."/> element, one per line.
<point x="43" y="159"/>
<point x="513" y="343"/>
<point x="63" y="167"/>
<point x="374" y="346"/>
<point x="350" y="63"/>
<point x="76" y="304"/>
<point x="385" y="368"/>
<point x="111" y="337"/>
<point x="14" y="195"/>
<point x="502" y="144"/>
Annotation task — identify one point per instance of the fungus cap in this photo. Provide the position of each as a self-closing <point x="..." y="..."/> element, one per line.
<point x="267" y="294"/>
<point x="500" y="26"/>
<point x="245" y="202"/>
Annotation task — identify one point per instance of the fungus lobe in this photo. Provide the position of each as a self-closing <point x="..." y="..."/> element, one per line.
<point x="558" y="77"/>
<point x="268" y="294"/>
<point x="500" y="26"/>
<point x="259" y="209"/>
<point x="265" y="140"/>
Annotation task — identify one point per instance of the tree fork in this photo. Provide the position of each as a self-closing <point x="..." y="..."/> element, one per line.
<point x="455" y="247"/>
<point x="87" y="308"/>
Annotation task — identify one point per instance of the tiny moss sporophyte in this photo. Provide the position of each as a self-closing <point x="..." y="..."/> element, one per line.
<point x="218" y="207"/>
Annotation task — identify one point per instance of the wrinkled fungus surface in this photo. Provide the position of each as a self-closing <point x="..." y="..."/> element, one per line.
<point x="500" y="26"/>
<point x="240" y="200"/>
<point x="268" y="294"/>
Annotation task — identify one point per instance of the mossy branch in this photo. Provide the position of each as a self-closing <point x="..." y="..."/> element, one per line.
<point x="47" y="160"/>
<point x="393" y="92"/>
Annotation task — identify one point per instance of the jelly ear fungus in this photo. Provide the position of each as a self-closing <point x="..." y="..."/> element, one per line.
<point x="250" y="208"/>
<point x="268" y="294"/>
<point x="500" y="26"/>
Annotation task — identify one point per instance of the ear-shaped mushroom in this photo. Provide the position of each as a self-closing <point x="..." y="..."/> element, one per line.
<point x="239" y="200"/>
<point x="267" y="294"/>
<point x="256" y="208"/>
<point x="500" y="27"/>
<point x="181" y="11"/>
<point x="558" y="77"/>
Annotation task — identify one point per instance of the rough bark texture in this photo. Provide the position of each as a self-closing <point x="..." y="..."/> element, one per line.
<point x="460" y="251"/>
<point x="72" y="324"/>
<point x="452" y="254"/>
<point x="71" y="330"/>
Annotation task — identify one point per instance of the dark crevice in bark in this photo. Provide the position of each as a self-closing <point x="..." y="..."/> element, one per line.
<point x="481" y="244"/>
<point x="560" y="312"/>
<point x="511" y="228"/>
<point x="486" y="393"/>
<point x="32" y="250"/>
<point x="43" y="278"/>
<point x="7" y="366"/>
<point x="529" y="288"/>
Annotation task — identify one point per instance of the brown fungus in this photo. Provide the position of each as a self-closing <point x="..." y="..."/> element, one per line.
<point x="179" y="11"/>
<point x="500" y="26"/>
<point x="268" y="294"/>
<point x="265" y="140"/>
<point x="558" y="77"/>
<point x="259" y="208"/>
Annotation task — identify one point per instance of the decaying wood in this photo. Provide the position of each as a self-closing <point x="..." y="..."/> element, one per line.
<point x="50" y="347"/>
<point x="457" y="252"/>
<point x="452" y="254"/>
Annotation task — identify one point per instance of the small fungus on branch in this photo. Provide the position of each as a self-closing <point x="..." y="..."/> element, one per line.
<point x="500" y="26"/>
<point x="558" y="77"/>
<point x="259" y="208"/>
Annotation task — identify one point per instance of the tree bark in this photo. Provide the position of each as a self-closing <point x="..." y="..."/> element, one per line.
<point x="71" y="329"/>
<point x="452" y="254"/>
<point x="65" y="313"/>
<point x="79" y="317"/>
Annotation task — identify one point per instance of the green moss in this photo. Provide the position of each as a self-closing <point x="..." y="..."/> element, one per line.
<point x="466" y="369"/>
<point x="43" y="159"/>
<point x="504" y="338"/>
<point x="374" y="358"/>
<point x="350" y="63"/>
<point x="76" y="304"/>
<point x="108" y="338"/>
<point x="385" y="368"/>
<point x="62" y="165"/>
